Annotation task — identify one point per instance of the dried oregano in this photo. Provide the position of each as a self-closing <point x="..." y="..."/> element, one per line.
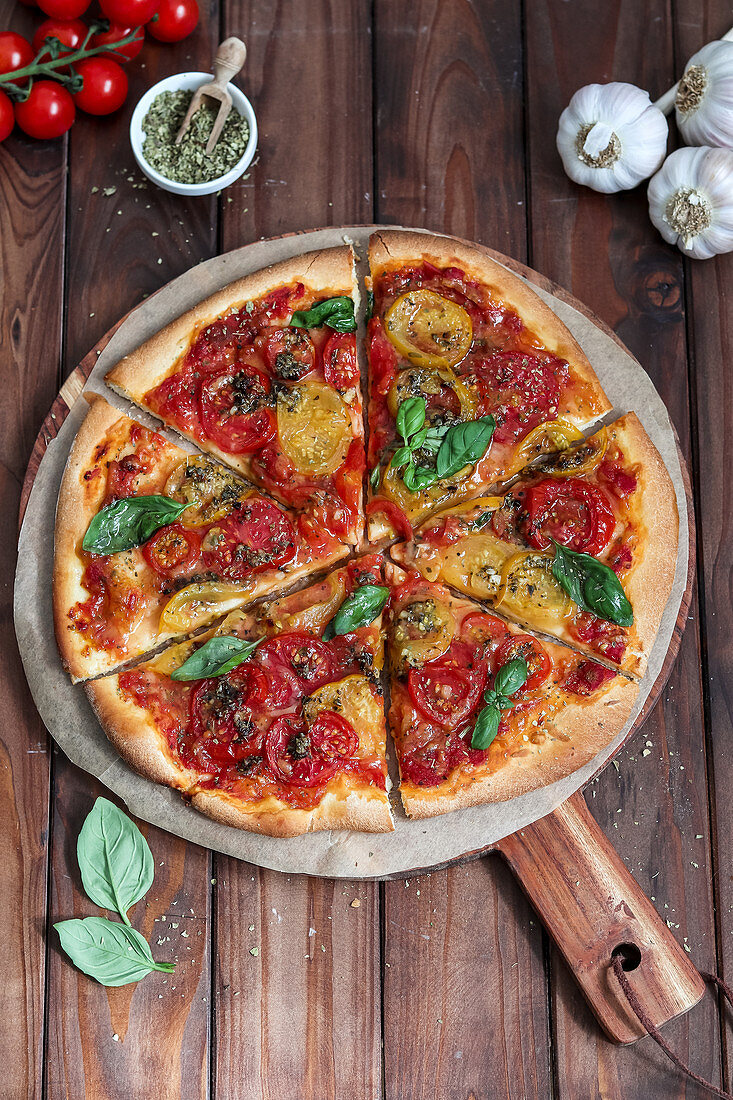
<point x="189" y="162"/>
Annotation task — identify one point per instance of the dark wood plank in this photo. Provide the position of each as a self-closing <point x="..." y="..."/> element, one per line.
<point x="32" y="189"/>
<point x="654" y="805"/>
<point x="121" y="247"/>
<point x="300" y="1019"/>
<point x="710" y="334"/>
<point x="463" y="949"/>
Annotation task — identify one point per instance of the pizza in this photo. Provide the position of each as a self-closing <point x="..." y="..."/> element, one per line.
<point x="464" y="732"/>
<point x="490" y="375"/>
<point x="273" y="722"/>
<point x="152" y="543"/>
<point x="227" y="611"/>
<point x="606" y="501"/>
<point x="264" y="376"/>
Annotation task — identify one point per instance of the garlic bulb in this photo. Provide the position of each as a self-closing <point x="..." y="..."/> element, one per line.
<point x="691" y="201"/>
<point x="611" y="137"/>
<point x="704" y="99"/>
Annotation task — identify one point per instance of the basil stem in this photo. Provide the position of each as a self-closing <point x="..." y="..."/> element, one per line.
<point x="130" y="522"/>
<point x="337" y="313"/>
<point x="216" y="657"/>
<point x="359" y="609"/>
<point x="592" y="585"/>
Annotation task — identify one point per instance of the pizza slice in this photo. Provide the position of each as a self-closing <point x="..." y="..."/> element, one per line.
<point x="583" y="548"/>
<point x="273" y="722"/>
<point x="264" y="376"/>
<point x="152" y="543"/>
<point x="481" y="712"/>
<point x="471" y="376"/>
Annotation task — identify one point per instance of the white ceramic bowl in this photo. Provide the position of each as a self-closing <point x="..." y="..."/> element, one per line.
<point x="189" y="82"/>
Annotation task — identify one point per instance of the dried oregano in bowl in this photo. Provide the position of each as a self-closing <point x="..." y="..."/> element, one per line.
<point x="188" y="162"/>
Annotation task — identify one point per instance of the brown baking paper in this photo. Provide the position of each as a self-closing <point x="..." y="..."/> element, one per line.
<point x="69" y="718"/>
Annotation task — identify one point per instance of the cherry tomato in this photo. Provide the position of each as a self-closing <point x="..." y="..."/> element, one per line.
<point x="105" y="85"/>
<point x="7" y="117"/>
<point x="444" y="693"/>
<point x="64" y="9"/>
<point x="48" y="112"/>
<point x="575" y="514"/>
<point x="174" y="20"/>
<point x="230" y="404"/>
<point x="301" y="655"/>
<point x="15" y="52"/>
<point x="172" y="549"/>
<point x="605" y="638"/>
<point x="257" y="536"/>
<point x="621" y="482"/>
<point x="220" y="729"/>
<point x="307" y="757"/>
<point x="480" y="627"/>
<point x="289" y="352"/>
<point x="394" y="515"/>
<point x="129" y="13"/>
<point x="526" y="648"/>
<point x="340" y="365"/>
<point x="520" y="390"/>
<point x="114" y="34"/>
<point x="70" y="32"/>
<point x="587" y="678"/>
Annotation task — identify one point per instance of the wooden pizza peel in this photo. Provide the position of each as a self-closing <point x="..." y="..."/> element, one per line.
<point x="583" y="893"/>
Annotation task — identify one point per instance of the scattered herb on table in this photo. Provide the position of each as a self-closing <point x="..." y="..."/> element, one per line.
<point x="116" y="867"/>
<point x="189" y="161"/>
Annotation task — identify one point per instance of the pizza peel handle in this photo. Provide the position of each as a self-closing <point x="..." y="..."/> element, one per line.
<point x="592" y="907"/>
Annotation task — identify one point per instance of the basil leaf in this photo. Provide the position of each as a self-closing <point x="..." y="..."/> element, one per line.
<point x="434" y="437"/>
<point x="410" y="417"/>
<point x="486" y="728"/>
<point x="358" y="609"/>
<point x="112" y="953"/>
<point x="463" y="445"/>
<point x="337" y="313"/>
<point x="369" y="305"/>
<point x="592" y="585"/>
<point x="481" y="520"/>
<point x="129" y="522"/>
<point x="216" y="657"/>
<point x="375" y="477"/>
<point x="400" y="457"/>
<point x="115" y="861"/>
<point x="510" y="677"/>
<point x="417" y="478"/>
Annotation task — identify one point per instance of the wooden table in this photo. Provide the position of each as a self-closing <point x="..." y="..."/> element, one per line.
<point x="443" y="115"/>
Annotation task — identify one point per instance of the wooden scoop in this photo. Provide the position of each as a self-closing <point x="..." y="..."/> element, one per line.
<point x="230" y="58"/>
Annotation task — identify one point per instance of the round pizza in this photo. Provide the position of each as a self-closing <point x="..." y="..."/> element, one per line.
<point x="228" y="602"/>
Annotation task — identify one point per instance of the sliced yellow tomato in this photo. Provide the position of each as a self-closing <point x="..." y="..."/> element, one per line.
<point x="530" y="592"/>
<point x="314" y="427"/>
<point x="430" y="330"/>
<point x="474" y="565"/>
<point x="353" y="699"/>
<point x="312" y="617"/>
<point x="553" y="435"/>
<point x="197" y="604"/>
<point x="209" y="487"/>
<point x="580" y="459"/>
<point x="469" y="508"/>
<point x="424" y="382"/>
<point x="173" y="657"/>
<point x="423" y="631"/>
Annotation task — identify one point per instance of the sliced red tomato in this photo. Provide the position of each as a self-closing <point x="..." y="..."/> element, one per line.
<point x="302" y="656"/>
<point x="621" y="482"/>
<point x="340" y="366"/>
<point x="274" y="466"/>
<point x="308" y="757"/>
<point x="520" y="390"/>
<point x="575" y="514"/>
<point x="259" y="535"/>
<point x="444" y="693"/>
<point x="172" y="549"/>
<point x="221" y="729"/>
<point x="394" y="515"/>
<point x="607" y="639"/>
<point x="526" y="648"/>
<point x="444" y="532"/>
<point x="621" y="558"/>
<point x="231" y="408"/>
<point x="588" y="678"/>
<point x="382" y="358"/>
<point x="289" y="353"/>
<point x="480" y="627"/>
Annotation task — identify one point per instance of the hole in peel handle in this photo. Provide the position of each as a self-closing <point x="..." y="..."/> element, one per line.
<point x="591" y="906"/>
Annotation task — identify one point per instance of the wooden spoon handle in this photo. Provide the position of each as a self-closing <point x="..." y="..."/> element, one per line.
<point x="230" y="58"/>
<point x="591" y="906"/>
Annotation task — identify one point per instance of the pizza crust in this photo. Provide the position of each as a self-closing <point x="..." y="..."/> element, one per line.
<point x="388" y="247"/>
<point x="365" y="811"/>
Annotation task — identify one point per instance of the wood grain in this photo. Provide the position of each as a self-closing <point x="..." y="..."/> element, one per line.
<point x="653" y="807"/>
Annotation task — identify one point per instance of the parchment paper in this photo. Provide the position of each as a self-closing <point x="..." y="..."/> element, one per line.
<point x="67" y="714"/>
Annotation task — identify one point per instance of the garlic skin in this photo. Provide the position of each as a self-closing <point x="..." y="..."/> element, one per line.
<point x="703" y="102"/>
<point x="691" y="201"/>
<point x="611" y="137"/>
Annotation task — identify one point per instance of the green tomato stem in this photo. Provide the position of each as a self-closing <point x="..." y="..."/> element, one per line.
<point x="48" y="68"/>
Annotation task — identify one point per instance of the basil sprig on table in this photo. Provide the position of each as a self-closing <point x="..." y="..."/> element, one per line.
<point x="116" y="867"/>
<point x="215" y="658"/>
<point x="358" y="609"/>
<point x="454" y="445"/>
<point x="592" y="585"/>
<point x="337" y="313"/>
<point x="508" y="680"/>
<point x="129" y="522"/>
